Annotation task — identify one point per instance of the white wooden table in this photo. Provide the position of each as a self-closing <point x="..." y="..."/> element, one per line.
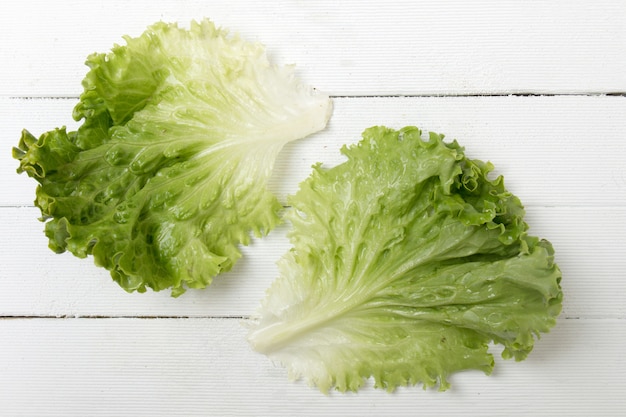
<point x="537" y="87"/>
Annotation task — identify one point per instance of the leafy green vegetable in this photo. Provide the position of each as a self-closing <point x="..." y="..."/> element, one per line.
<point x="167" y="174"/>
<point x="407" y="261"/>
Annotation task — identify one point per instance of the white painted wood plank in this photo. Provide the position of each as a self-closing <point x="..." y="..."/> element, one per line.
<point x="556" y="151"/>
<point x="204" y="367"/>
<point x="589" y="244"/>
<point x="346" y="48"/>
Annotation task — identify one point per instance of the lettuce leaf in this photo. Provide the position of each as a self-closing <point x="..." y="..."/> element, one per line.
<point x="407" y="261"/>
<point x="168" y="172"/>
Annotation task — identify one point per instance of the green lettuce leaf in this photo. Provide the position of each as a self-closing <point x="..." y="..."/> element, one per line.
<point x="167" y="173"/>
<point x="407" y="261"/>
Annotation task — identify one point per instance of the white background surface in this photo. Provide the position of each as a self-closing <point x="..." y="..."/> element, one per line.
<point x="537" y="87"/>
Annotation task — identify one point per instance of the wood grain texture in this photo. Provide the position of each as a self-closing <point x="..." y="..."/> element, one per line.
<point x="350" y="47"/>
<point x="536" y="87"/>
<point x="204" y="367"/>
